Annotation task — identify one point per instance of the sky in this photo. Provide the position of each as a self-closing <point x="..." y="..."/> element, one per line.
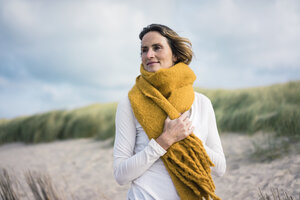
<point x="65" y="54"/>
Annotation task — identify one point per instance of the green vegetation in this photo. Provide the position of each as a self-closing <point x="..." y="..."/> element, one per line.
<point x="273" y="109"/>
<point x="96" y="120"/>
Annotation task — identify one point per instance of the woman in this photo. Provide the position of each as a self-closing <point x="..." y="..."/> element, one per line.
<point x="167" y="140"/>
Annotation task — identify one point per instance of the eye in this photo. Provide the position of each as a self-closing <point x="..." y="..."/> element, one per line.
<point x="157" y="47"/>
<point x="144" y="50"/>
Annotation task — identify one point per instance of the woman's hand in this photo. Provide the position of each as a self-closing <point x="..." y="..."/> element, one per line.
<point x="175" y="130"/>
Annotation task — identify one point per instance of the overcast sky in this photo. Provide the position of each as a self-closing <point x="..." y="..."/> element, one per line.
<point x="68" y="53"/>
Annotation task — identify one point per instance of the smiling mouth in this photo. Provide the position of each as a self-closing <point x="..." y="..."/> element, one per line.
<point x="151" y="63"/>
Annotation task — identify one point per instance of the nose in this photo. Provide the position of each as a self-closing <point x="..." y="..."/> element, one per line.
<point x="150" y="53"/>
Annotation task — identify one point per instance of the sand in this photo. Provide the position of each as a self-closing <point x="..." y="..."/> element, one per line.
<point x="244" y="177"/>
<point x="82" y="168"/>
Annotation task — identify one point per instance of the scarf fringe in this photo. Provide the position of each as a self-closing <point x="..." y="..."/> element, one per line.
<point x="194" y="172"/>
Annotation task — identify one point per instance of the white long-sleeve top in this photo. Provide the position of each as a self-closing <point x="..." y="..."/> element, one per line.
<point x="137" y="160"/>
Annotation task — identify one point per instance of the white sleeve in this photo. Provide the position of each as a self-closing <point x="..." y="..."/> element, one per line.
<point x="213" y="144"/>
<point x="127" y="165"/>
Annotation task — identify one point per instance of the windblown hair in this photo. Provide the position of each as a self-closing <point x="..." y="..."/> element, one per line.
<point x="181" y="47"/>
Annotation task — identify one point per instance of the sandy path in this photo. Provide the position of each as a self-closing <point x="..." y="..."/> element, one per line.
<point x="83" y="167"/>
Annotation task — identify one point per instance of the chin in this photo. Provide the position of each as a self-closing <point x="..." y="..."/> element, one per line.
<point x="152" y="69"/>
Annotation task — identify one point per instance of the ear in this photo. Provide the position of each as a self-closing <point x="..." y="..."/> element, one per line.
<point x="174" y="58"/>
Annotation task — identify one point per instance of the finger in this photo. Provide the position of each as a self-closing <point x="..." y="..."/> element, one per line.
<point x="184" y="115"/>
<point x="189" y="124"/>
<point x="187" y="127"/>
<point x="191" y="130"/>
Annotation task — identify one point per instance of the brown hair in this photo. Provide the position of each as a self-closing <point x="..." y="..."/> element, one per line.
<point x="181" y="47"/>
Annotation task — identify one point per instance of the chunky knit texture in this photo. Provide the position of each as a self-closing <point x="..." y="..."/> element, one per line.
<point x="169" y="92"/>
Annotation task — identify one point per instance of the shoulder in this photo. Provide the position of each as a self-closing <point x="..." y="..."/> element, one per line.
<point x="202" y="105"/>
<point x="201" y="99"/>
<point x="124" y="101"/>
<point x="124" y="104"/>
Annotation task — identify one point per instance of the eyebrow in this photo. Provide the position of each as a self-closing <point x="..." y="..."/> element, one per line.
<point x="156" y="44"/>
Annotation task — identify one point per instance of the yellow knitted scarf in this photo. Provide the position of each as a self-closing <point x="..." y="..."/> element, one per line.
<point x="169" y="92"/>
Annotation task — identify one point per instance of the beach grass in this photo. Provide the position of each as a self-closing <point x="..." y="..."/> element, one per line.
<point x="95" y="120"/>
<point x="274" y="109"/>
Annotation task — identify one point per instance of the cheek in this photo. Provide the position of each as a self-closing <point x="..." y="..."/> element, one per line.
<point x="168" y="57"/>
<point x="143" y="58"/>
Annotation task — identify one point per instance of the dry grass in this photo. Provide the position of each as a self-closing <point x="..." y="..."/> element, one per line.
<point x="7" y="191"/>
<point x="276" y="195"/>
<point x="40" y="187"/>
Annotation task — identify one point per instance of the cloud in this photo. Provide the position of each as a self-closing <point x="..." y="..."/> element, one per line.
<point x="257" y="33"/>
<point x="54" y="54"/>
<point x="32" y="96"/>
<point x="70" y="41"/>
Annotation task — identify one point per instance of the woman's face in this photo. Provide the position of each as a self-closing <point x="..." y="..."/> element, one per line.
<point x="156" y="52"/>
